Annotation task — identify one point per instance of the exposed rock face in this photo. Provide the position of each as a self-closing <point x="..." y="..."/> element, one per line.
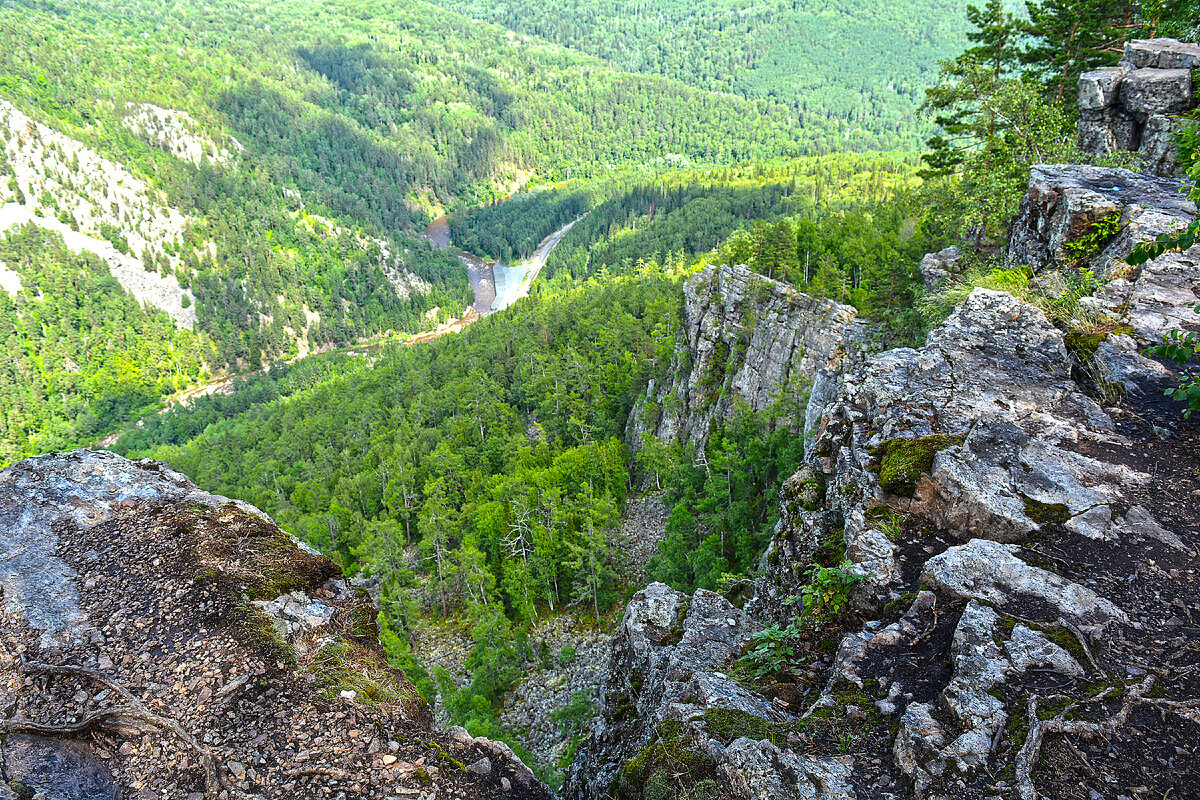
<point x="957" y="466"/>
<point x="670" y="656"/>
<point x="1137" y="105"/>
<point x="207" y="652"/>
<point x="178" y="133"/>
<point x="1018" y="545"/>
<point x="937" y="267"/>
<point x="96" y="192"/>
<point x="1066" y="202"/>
<point x="744" y="338"/>
<point x="1160" y="296"/>
<point x="989" y="408"/>
<point x="982" y="660"/>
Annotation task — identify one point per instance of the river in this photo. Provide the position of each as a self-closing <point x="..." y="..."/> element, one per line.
<point x="497" y="286"/>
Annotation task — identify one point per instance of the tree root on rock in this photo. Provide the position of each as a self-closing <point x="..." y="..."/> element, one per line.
<point x="1028" y="756"/>
<point x="134" y="715"/>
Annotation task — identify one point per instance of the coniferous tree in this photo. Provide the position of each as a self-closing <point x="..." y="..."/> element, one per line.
<point x="1069" y="37"/>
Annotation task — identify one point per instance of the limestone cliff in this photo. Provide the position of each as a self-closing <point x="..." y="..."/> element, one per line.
<point x="1024" y="619"/>
<point x="159" y="641"/>
<point x="744" y="338"/>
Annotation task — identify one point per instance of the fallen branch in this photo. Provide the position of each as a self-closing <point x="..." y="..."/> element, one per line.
<point x="134" y="714"/>
<point x="328" y="772"/>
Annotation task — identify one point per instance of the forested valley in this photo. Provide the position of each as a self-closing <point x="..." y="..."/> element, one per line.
<point x="480" y="479"/>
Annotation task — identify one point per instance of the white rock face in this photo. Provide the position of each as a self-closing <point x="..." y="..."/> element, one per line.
<point x="1065" y="201"/>
<point x="761" y="771"/>
<point x="94" y="192"/>
<point x="937" y="267"/>
<point x="178" y="133"/>
<point x="995" y="380"/>
<point x="86" y="488"/>
<point x="992" y="572"/>
<point x="9" y="280"/>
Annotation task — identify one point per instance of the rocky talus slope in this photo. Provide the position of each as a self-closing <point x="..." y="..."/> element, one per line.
<point x="160" y="642"/>
<point x="53" y="175"/>
<point x="744" y="338"/>
<point x="1021" y="506"/>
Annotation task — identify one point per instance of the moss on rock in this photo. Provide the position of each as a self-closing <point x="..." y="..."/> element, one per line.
<point x="903" y="461"/>
<point x="727" y="724"/>
<point x="672" y="753"/>
<point x="1041" y="513"/>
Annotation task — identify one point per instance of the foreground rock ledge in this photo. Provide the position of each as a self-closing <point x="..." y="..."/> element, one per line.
<point x="159" y="641"/>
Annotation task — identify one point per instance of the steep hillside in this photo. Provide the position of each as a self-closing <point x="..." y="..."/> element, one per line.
<point x="859" y="67"/>
<point x="261" y="173"/>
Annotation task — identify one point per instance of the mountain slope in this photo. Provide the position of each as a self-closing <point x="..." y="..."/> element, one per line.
<point x="859" y="66"/>
<point x="260" y="172"/>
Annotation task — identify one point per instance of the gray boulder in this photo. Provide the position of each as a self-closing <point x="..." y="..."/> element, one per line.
<point x="992" y="572"/>
<point x="1138" y="105"/>
<point x="1156" y="91"/>
<point x="758" y="770"/>
<point x="926" y="746"/>
<point x="1162" y="54"/>
<point x="937" y="267"/>
<point x="1065" y="201"/>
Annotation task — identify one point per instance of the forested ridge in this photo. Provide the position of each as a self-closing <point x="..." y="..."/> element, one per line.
<point x="482" y="478"/>
<point x="860" y="68"/>
<point x="324" y="137"/>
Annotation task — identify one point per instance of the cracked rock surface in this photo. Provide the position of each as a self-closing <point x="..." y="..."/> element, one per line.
<point x="749" y="335"/>
<point x="1024" y="538"/>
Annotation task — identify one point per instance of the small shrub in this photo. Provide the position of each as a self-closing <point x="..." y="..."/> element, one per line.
<point x="1099" y="234"/>
<point x="772" y="651"/>
<point x="575" y="715"/>
<point x="829" y="589"/>
<point x="1183" y="347"/>
<point x="566" y="655"/>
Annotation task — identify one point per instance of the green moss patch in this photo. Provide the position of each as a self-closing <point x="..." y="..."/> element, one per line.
<point x="671" y="766"/>
<point x="342" y="666"/>
<point x="903" y="461"/>
<point x="1042" y="513"/>
<point x="253" y="552"/>
<point x="728" y="724"/>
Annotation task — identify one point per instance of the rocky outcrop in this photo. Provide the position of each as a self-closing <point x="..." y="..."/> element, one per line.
<point x="745" y="338"/>
<point x="1019" y="557"/>
<point x="669" y="697"/>
<point x="1138" y="104"/>
<point x="938" y="267"/>
<point x="1091" y="217"/>
<point x="976" y="432"/>
<point x="159" y="641"/>
<point x="953" y="471"/>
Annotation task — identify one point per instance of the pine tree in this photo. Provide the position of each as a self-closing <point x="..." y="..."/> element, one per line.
<point x="1070" y="37"/>
<point x="995" y="37"/>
